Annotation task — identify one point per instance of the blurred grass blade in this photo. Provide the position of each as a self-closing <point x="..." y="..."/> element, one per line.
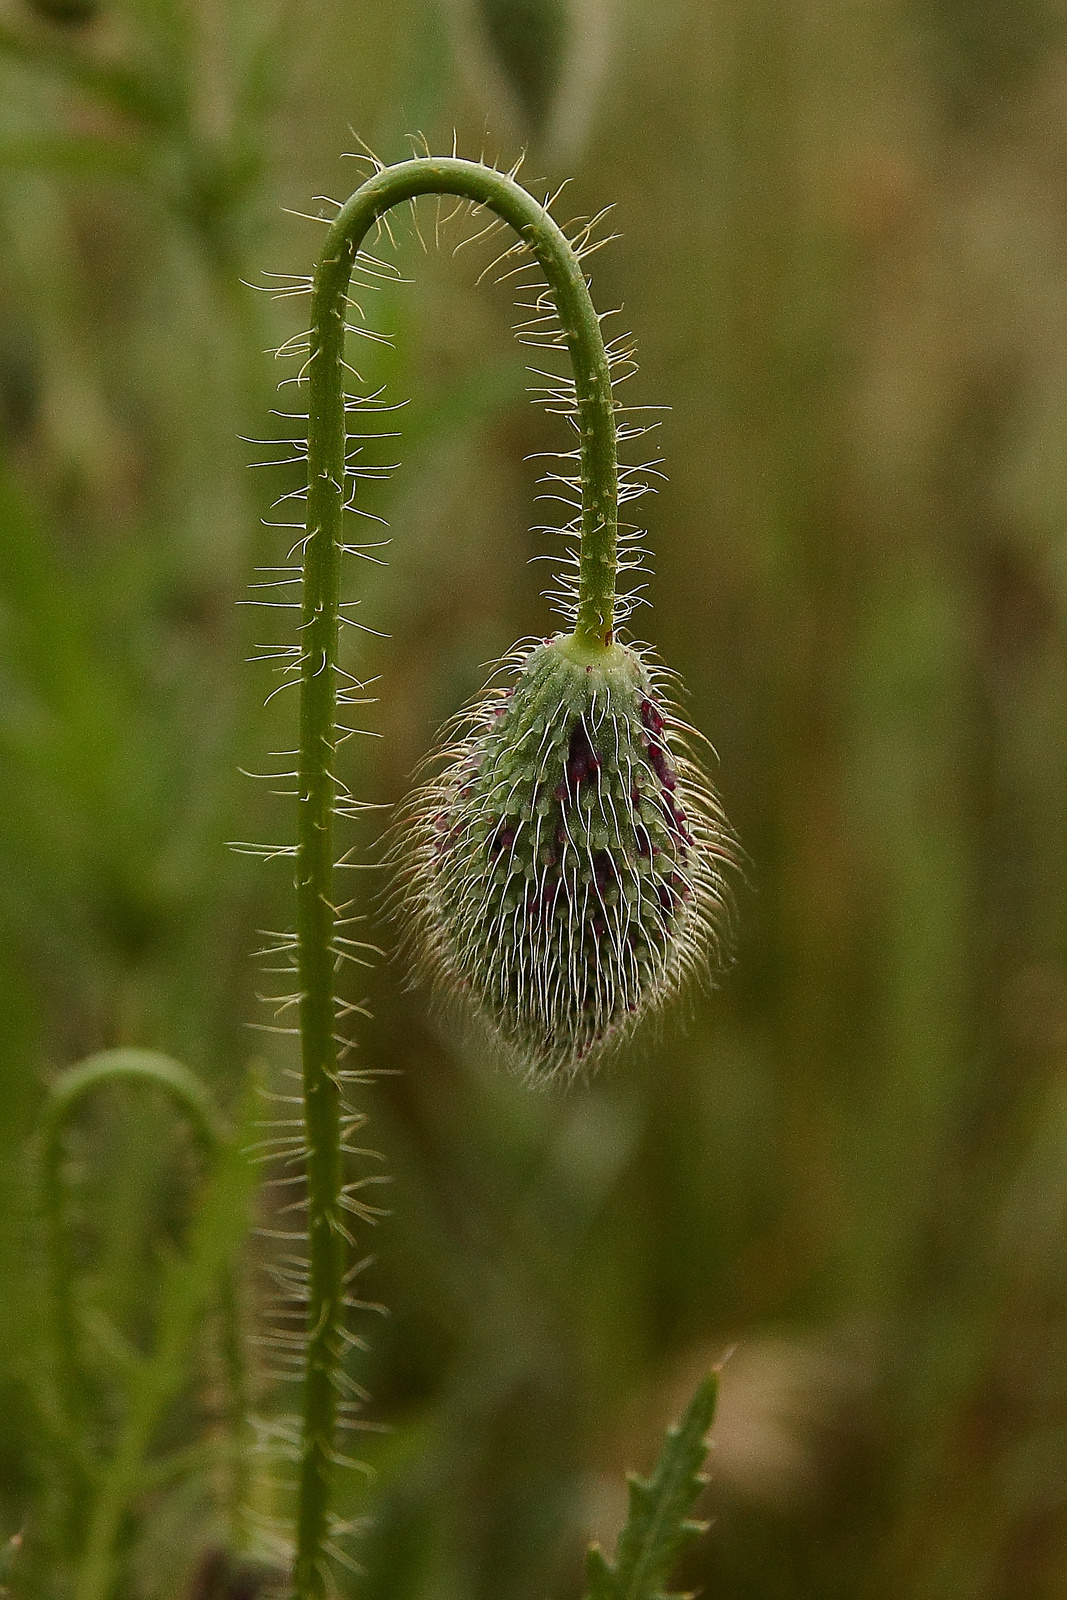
<point x="659" y="1525"/>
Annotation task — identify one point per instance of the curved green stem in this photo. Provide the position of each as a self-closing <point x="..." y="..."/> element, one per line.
<point x="316" y="954"/>
<point x="186" y="1287"/>
<point x="66" y="1094"/>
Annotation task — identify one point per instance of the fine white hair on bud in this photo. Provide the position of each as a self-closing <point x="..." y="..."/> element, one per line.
<point x="562" y="870"/>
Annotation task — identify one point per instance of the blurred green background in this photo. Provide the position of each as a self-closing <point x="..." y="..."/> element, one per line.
<point x="844" y="255"/>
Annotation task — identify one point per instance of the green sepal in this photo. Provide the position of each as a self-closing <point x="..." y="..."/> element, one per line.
<point x="658" y="1526"/>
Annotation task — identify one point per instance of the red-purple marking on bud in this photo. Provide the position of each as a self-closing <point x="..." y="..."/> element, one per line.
<point x="660" y="765"/>
<point x="582" y="759"/>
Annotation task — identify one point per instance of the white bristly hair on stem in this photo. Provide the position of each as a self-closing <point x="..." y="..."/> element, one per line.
<point x="563" y="871"/>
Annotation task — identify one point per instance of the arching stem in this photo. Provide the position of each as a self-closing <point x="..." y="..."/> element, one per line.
<point x="316" y="915"/>
<point x="209" y="1270"/>
<point x="66" y="1094"/>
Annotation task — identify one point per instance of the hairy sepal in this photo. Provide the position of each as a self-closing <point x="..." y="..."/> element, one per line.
<point x="562" y="871"/>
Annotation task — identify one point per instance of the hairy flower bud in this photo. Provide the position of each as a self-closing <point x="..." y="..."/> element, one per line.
<point x="563" y="870"/>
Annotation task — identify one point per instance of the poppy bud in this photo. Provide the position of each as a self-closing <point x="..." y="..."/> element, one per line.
<point x="563" y="870"/>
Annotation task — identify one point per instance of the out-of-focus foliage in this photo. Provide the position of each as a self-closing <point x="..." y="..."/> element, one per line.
<point x="844" y="254"/>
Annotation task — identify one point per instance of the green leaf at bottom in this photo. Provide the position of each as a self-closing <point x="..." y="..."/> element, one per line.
<point x="658" y="1526"/>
